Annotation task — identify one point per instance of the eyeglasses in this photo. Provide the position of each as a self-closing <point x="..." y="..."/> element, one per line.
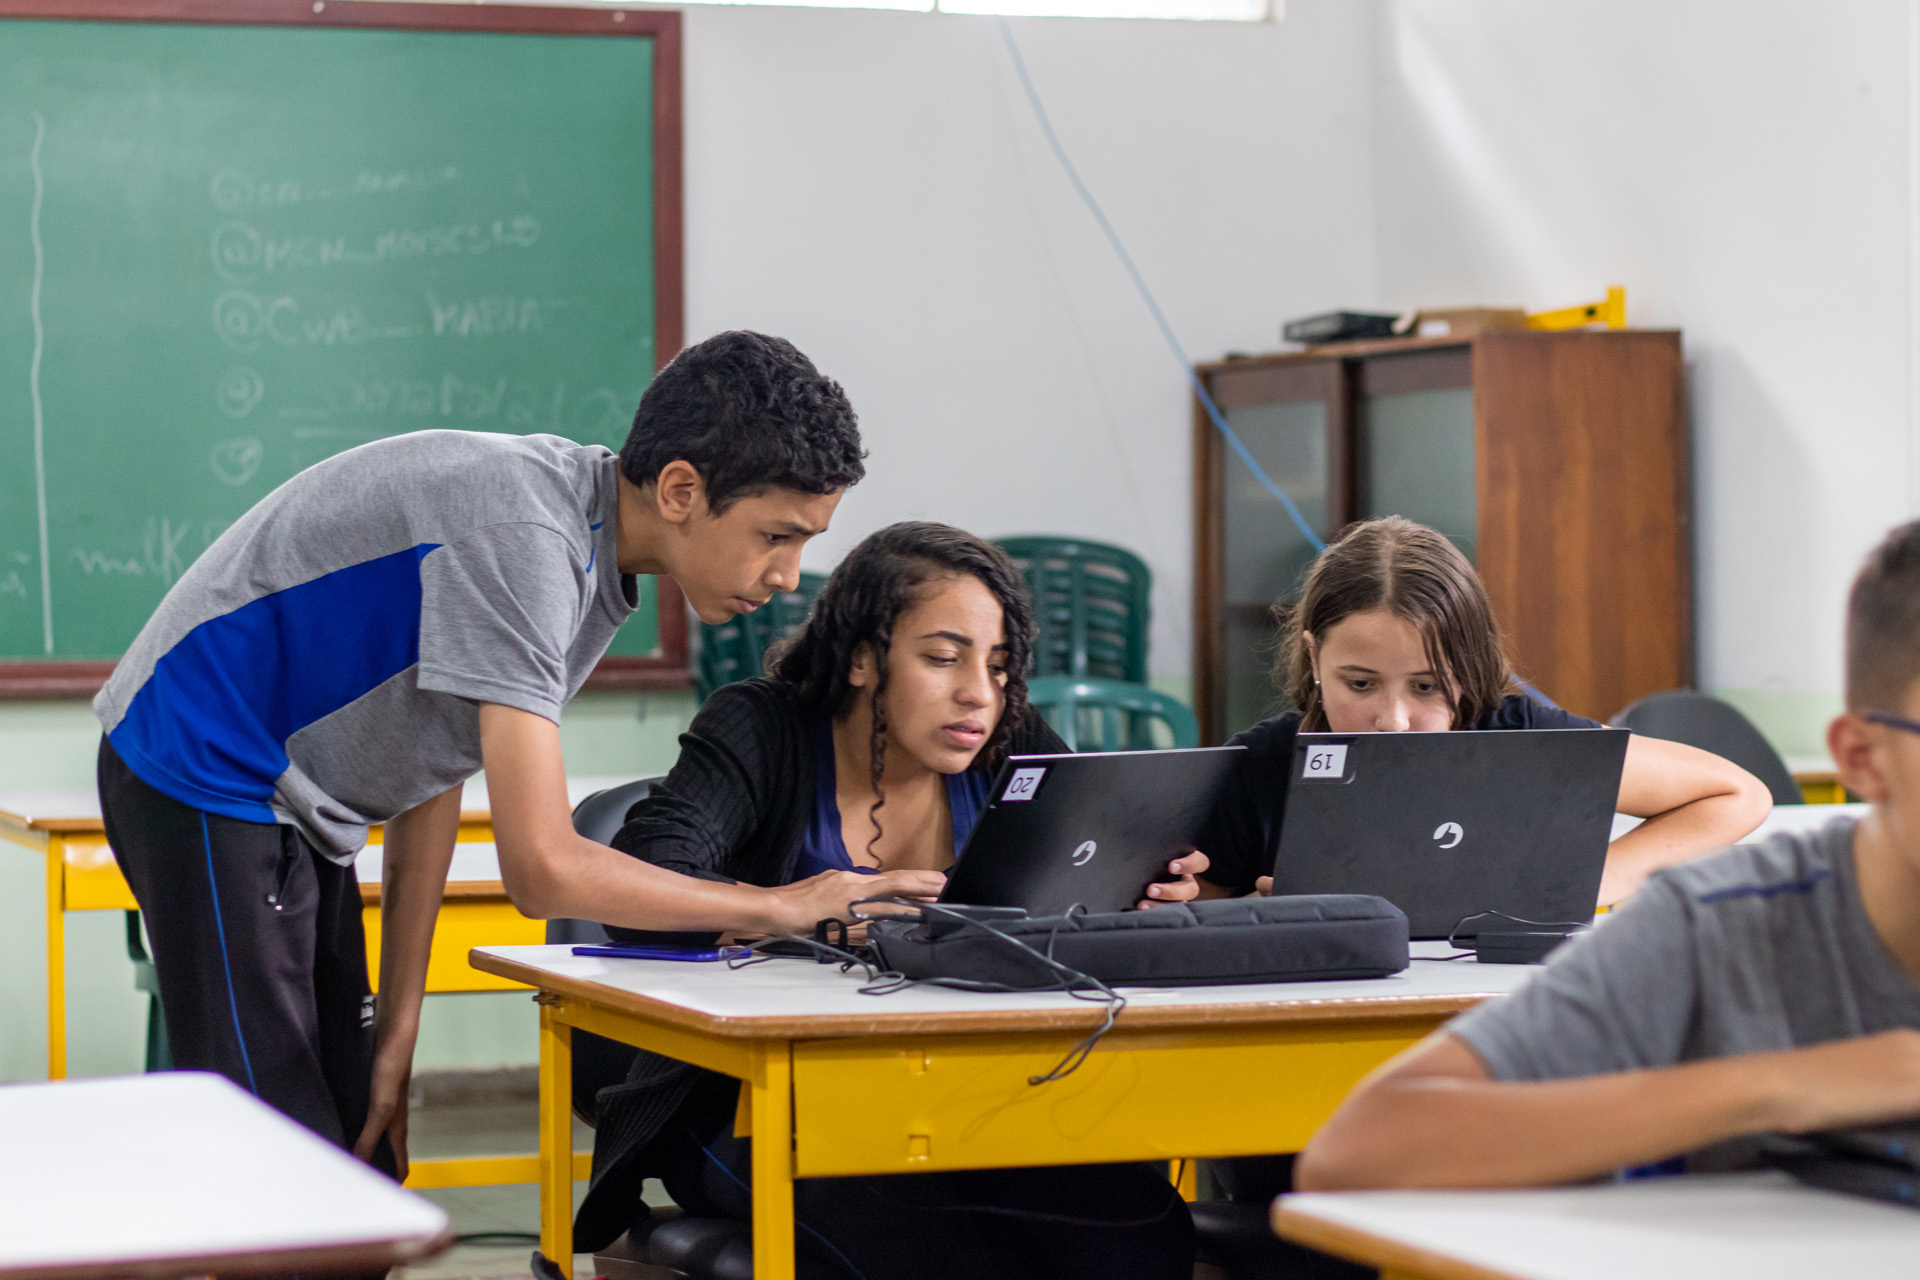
<point x="1891" y="720"/>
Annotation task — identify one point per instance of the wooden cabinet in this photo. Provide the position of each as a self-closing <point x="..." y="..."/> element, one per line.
<point x="1558" y="462"/>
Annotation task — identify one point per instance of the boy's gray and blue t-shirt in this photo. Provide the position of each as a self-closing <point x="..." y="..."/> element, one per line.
<point x="1763" y="947"/>
<point x="323" y="662"/>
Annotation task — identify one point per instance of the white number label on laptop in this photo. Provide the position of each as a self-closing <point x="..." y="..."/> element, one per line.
<point x="1025" y="782"/>
<point x="1326" y="761"/>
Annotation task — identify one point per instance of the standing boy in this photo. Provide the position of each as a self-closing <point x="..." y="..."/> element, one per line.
<point x="1771" y="988"/>
<point x="370" y="635"/>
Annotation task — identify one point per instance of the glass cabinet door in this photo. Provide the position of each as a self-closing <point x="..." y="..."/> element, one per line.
<point x="1289" y="418"/>
<point x="1413" y="442"/>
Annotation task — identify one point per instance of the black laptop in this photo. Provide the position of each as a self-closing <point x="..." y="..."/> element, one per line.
<point x="1450" y="826"/>
<point x="1879" y="1161"/>
<point x="1089" y="830"/>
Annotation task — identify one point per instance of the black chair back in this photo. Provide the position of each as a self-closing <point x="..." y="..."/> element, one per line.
<point x="597" y="1061"/>
<point x="1703" y="721"/>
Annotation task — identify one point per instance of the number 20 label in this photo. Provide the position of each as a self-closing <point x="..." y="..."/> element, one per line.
<point x="1329" y="761"/>
<point x="1023" y="784"/>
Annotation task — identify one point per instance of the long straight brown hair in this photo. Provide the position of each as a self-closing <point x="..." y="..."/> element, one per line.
<point x="1414" y="573"/>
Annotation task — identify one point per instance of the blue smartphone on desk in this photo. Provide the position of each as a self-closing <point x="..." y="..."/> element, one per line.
<point x="696" y="954"/>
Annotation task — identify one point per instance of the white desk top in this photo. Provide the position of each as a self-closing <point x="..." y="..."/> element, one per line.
<point x="171" y="1174"/>
<point x="1784" y="817"/>
<point x="84" y="802"/>
<point x="471" y="861"/>
<point x="1758" y="1226"/>
<point x="1804" y="817"/>
<point x="783" y="990"/>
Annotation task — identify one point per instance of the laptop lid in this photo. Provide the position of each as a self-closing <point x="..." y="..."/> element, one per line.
<point x="1448" y="825"/>
<point x="1851" y="1175"/>
<point x="1092" y="830"/>
<point x="1894" y="1144"/>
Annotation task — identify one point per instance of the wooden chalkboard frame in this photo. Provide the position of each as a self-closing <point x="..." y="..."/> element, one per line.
<point x="29" y="680"/>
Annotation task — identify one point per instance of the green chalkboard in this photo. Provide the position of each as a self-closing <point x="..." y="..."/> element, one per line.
<point x="231" y="249"/>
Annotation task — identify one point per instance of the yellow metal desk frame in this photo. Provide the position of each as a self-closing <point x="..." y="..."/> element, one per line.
<point x="81" y="875"/>
<point x="881" y="1092"/>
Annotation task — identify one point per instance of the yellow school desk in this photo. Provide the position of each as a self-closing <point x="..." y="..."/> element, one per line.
<point x="64" y="827"/>
<point x="842" y="1083"/>
<point x="1819" y="780"/>
<point x="1757" y="1226"/>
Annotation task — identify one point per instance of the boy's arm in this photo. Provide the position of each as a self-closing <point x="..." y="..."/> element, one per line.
<point x="413" y="879"/>
<point x="1433" y="1118"/>
<point x="549" y="870"/>
<point x="1693" y="802"/>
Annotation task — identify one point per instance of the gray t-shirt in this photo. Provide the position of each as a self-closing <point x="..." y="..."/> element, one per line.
<point x="323" y="662"/>
<point x="1763" y="947"/>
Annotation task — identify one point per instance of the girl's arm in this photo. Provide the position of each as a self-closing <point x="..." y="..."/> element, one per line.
<point x="549" y="870"/>
<point x="1693" y="802"/>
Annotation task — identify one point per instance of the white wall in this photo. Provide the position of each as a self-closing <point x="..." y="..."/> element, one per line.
<point x="1741" y="166"/>
<point x="874" y="187"/>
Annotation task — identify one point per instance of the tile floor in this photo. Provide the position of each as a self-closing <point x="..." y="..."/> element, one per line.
<point x="505" y="1220"/>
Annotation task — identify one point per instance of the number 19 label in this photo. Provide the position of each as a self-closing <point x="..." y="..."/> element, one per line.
<point x="1023" y="784"/>
<point x="1326" y="761"/>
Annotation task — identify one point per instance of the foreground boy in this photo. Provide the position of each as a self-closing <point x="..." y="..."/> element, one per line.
<point x="372" y="633"/>
<point x="1768" y="988"/>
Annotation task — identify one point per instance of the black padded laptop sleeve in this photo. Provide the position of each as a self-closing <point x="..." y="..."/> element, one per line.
<point x="1231" y="940"/>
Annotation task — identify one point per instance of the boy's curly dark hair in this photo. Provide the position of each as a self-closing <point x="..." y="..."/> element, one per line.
<point x="750" y="413"/>
<point x="879" y="580"/>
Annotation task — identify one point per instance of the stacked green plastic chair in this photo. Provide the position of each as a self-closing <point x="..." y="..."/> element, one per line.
<point x="737" y="649"/>
<point x="1090" y="601"/>
<point x="1110" y="715"/>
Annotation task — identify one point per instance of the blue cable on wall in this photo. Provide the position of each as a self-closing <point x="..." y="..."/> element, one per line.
<point x="1219" y="419"/>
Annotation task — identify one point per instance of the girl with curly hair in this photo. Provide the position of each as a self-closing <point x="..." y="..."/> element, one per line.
<point x="866" y="754"/>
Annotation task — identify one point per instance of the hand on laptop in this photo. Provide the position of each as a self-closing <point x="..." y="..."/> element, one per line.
<point x="1263" y="887"/>
<point x="1183" y="888"/>
<point x="827" y="895"/>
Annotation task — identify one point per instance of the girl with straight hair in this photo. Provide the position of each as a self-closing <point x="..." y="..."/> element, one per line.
<point x="1393" y="632"/>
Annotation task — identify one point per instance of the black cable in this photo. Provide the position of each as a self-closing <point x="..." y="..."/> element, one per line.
<point x="497" y="1237"/>
<point x="1073" y="982"/>
<point x="751" y="953"/>
<point x="1453" y="934"/>
<point x="879" y="982"/>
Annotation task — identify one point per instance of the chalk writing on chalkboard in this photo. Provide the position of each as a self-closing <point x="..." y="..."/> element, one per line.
<point x="232" y="265"/>
<point x="33" y="378"/>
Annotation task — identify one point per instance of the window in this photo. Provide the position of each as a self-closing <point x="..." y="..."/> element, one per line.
<point x="1217" y="10"/>
<point x="1224" y="10"/>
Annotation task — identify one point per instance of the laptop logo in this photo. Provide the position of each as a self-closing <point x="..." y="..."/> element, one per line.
<point x="1448" y="834"/>
<point x="1326" y="761"/>
<point x="1023" y="784"/>
<point x="1084" y="854"/>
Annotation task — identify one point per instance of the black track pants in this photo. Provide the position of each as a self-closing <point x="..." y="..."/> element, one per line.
<point x="260" y="952"/>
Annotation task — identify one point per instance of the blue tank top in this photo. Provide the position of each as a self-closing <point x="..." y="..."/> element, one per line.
<point x="825" y="849"/>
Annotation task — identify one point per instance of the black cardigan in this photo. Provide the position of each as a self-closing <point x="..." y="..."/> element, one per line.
<point x="735" y="807"/>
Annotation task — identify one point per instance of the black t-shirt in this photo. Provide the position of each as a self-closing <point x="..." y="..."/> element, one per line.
<point x="1245" y="829"/>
